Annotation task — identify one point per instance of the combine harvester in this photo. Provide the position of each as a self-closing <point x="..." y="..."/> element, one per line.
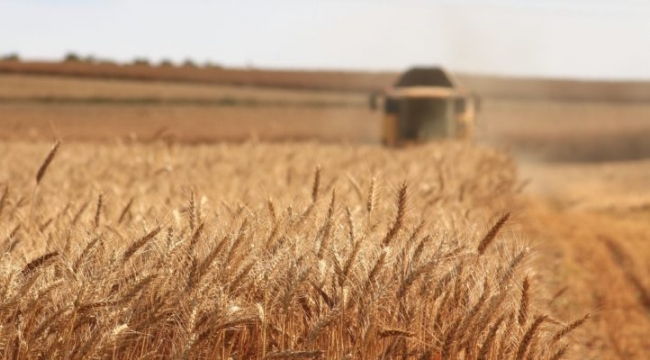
<point x="426" y="104"/>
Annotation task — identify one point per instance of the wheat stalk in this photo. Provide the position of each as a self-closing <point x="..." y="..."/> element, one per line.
<point x="572" y="326"/>
<point x="38" y="262"/>
<point x="492" y="234"/>
<point x="46" y="163"/>
<point x="523" y="303"/>
<point x="370" y="202"/>
<point x="3" y="198"/>
<point x="125" y="210"/>
<point x="399" y="217"/>
<point x="139" y="243"/>
<point x="528" y="336"/>
<point x="313" y="354"/>
<point x="316" y="184"/>
<point x="98" y="210"/>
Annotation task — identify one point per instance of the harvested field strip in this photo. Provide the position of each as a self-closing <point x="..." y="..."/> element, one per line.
<point x="261" y="251"/>
<point x="226" y="101"/>
<point x="38" y="87"/>
<point x="311" y="80"/>
<point x="191" y="124"/>
<point x="494" y="87"/>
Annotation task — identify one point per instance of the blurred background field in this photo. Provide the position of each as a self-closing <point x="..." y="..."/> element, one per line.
<point x="542" y="125"/>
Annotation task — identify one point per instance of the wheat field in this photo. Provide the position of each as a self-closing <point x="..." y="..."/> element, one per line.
<point x="268" y="251"/>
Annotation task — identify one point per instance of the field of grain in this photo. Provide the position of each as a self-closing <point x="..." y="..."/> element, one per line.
<point x="181" y="220"/>
<point x="259" y="251"/>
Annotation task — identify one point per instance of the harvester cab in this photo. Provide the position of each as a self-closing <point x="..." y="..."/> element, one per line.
<point x="426" y="104"/>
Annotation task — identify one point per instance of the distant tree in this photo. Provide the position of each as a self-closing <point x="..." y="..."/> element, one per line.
<point x="141" y="62"/>
<point x="166" y="63"/>
<point x="105" y="62"/>
<point x="189" y="63"/>
<point x="212" y="65"/>
<point x="71" y="57"/>
<point x="11" y="57"/>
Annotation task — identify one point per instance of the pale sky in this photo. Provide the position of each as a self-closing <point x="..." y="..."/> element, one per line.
<point x="598" y="39"/>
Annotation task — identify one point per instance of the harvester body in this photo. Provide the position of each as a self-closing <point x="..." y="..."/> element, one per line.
<point x="427" y="104"/>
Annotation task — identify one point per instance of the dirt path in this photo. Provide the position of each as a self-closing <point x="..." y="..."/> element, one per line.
<point x="592" y="225"/>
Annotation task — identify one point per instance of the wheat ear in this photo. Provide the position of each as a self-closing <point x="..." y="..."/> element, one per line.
<point x="492" y="234"/>
<point x="572" y="326"/>
<point x="523" y="304"/>
<point x="316" y="184"/>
